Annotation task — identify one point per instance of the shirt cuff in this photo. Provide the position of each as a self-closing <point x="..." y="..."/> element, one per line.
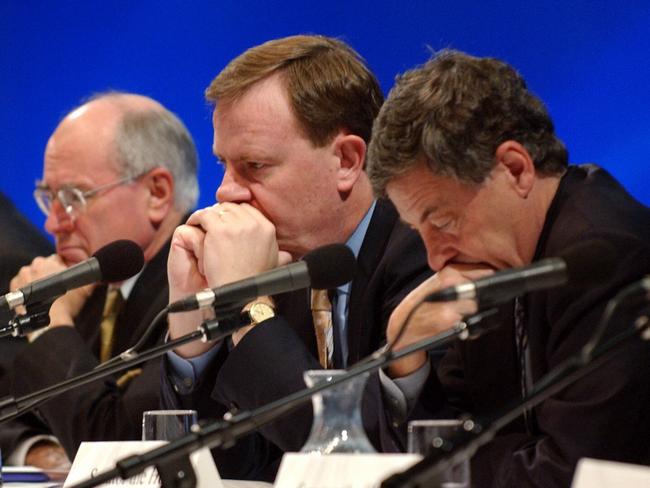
<point x="18" y="455"/>
<point x="184" y="372"/>
<point x="402" y="393"/>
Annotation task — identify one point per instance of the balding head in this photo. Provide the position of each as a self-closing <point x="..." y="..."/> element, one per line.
<point x="137" y="134"/>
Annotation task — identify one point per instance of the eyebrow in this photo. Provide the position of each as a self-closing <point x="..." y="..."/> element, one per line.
<point x="41" y="185"/>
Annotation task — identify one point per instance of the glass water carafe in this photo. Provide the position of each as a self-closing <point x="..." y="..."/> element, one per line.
<point x="337" y="426"/>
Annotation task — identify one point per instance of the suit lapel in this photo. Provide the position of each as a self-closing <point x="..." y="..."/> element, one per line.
<point x="90" y="316"/>
<point x="296" y="308"/>
<point x="146" y="299"/>
<point x="371" y="252"/>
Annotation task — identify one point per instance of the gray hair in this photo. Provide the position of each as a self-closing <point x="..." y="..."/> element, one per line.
<point x="452" y="113"/>
<point x="157" y="138"/>
<point x="149" y="136"/>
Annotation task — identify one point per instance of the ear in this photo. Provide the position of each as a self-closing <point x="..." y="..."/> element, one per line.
<point x="159" y="183"/>
<point x="516" y="160"/>
<point x="351" y="153"/>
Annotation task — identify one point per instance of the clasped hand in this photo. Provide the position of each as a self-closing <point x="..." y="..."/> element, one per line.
<point x="430" y="318"/>
<point x="220" y="244"/>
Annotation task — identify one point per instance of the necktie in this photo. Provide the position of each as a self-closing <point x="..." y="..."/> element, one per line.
<point x="521" y="340"/>
<point x="321" y="310"/>
<point x="112" y="307"/>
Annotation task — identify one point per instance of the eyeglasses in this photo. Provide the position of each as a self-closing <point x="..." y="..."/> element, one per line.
<point x="72" y="199"/>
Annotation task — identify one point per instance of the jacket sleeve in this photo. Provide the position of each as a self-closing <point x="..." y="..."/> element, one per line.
<point x="100" y="410"/>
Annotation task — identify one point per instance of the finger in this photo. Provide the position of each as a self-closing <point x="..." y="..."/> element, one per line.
<point x="472" y="271"/>
<point x="284" y="258"/>
<point x="250" y="211"/>
<point x="210" y="218"/>
<point x="23" y="277"/>
<point x="189" y="240"/>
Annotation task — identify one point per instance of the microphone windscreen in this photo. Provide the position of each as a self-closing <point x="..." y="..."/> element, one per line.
<point x="119" y="260"/>
<point x="590" y="263"/>
<point x="330" y="266"/>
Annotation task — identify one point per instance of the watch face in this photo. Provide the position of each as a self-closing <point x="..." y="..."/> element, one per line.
<point x="260" y="312"/>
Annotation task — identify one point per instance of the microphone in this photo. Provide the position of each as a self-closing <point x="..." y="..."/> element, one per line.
<point x="581" y="265"/>
<point x="116" y="261"/>
<point x="323" y="268"/>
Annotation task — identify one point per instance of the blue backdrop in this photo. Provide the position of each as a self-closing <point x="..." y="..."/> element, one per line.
<point x="588" y="60"/>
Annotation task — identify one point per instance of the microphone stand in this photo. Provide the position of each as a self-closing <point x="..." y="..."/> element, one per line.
<point x="477" y="432"/>
<point x="23" y="324"/>
<point x="37" y="317"/>
<point x="10" y="408"/>
<point x="171" y="460"/>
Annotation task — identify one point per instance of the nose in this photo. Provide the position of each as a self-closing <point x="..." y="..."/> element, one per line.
<point x="440" y="250"/>
<point x="58" y="220"/>
<point x="232" y="189"/>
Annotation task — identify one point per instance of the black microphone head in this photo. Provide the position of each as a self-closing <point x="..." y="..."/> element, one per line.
<point x="590" y="263"/>
<point x="119" y="260"/>
<point x="330" y="266"/>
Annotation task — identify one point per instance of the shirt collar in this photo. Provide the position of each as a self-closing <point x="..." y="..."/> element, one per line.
<point x="126" y="287"/>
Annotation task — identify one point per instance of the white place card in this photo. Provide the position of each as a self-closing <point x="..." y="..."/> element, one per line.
<point x="345" y="470"/>
<point x="94" y="458"/>
<point x="593" y="473"/>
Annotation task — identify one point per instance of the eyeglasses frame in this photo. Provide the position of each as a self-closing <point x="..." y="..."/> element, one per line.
<point x="83" y="196"/>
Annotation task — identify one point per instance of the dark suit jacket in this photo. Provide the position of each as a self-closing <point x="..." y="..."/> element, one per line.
<point x="19" y="237"/>
<point x="99" y="411"/>
<point x="20" y="242"/>
<point x="603" y="415"/>
<point x="268" y="363"/>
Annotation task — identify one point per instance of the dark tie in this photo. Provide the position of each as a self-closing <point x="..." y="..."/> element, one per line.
<point x="521" y="340"/>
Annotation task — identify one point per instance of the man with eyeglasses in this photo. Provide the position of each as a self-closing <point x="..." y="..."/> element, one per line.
<point x="120" y="166"/>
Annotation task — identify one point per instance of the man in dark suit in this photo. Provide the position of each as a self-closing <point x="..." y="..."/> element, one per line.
<point x="20" y="242"/>
<point x="120" y="166"/>
<point x="292" y="121"/>
<point x="470" y="159"/>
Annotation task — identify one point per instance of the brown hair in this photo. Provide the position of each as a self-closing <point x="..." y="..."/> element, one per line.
<point x="453" y="112"/>
<point x="328" y="83"/>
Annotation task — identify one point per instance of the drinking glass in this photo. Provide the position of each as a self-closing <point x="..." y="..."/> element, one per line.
<point x="167" y="425"/>
<point x="424" y="435"/>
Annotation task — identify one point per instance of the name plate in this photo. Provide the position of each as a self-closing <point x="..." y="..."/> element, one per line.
<point x="340" y="470"/>
<point x="592" y="473"/>
<point x="94" y="458"/>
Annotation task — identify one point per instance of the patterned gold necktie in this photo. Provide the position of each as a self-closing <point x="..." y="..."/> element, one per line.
<point x="112" y="307"/>
<point x="321" y="310"/>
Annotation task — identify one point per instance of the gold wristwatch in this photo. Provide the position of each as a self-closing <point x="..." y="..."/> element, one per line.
<point x="258" y="311"/>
